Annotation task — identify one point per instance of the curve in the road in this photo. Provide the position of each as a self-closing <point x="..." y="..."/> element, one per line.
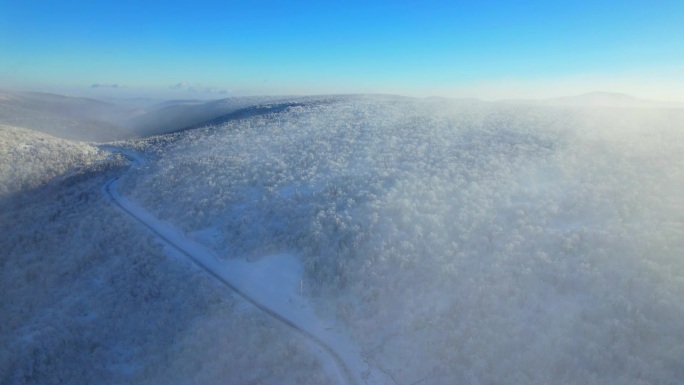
<point x="341" y="365"/>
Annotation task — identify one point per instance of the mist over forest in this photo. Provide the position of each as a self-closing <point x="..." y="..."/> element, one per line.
<point x="435" y="241"/>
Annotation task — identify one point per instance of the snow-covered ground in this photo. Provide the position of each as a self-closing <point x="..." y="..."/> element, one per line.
<point x="457" y="242"/>
<point x="274" y="284"/>
<point x="89" y="296"/>
<point x="426" y="241"/>
<point x="30" y="158"/>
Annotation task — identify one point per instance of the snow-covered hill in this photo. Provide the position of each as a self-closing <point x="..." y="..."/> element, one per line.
<point x="173" y="116"/>
<point x="31" y="158"/>
<point x="496" y="243"/>
<point x="84" y="119"/>
<point x="87" y="296"/>
<point x="450" y="241"/>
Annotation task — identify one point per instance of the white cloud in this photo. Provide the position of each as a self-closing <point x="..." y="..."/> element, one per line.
<point x="179" y="86"/>
<point x="198" y="88"/>
<point x="106" y="85"/>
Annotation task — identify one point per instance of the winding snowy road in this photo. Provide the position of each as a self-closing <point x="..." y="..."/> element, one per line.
<point x="334" y="350"/>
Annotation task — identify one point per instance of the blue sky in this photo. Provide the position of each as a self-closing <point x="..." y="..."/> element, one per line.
<point x="486" y="49"/>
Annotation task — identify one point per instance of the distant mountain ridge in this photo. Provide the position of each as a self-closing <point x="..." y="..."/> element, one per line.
<point x="599" y="99"/>
<point x="85" y="119"/>
<point x="66" y="117"/>
<point x="173" y="116"/>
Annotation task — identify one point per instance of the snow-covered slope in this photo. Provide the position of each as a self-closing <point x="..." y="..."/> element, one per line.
<point x="173" y="116"/>
<point x="272" y="286"/>
<point x="31" y="158"/>
<point x="457" y="242"/>
<point x="89" y="297"/>
<point x="445" y="241"/>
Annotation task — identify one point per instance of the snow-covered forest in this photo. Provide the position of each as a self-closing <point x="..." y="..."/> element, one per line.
<point x="90" y="297"/>
<point x="454" y="242"/>
<point x="30" y="159"/>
